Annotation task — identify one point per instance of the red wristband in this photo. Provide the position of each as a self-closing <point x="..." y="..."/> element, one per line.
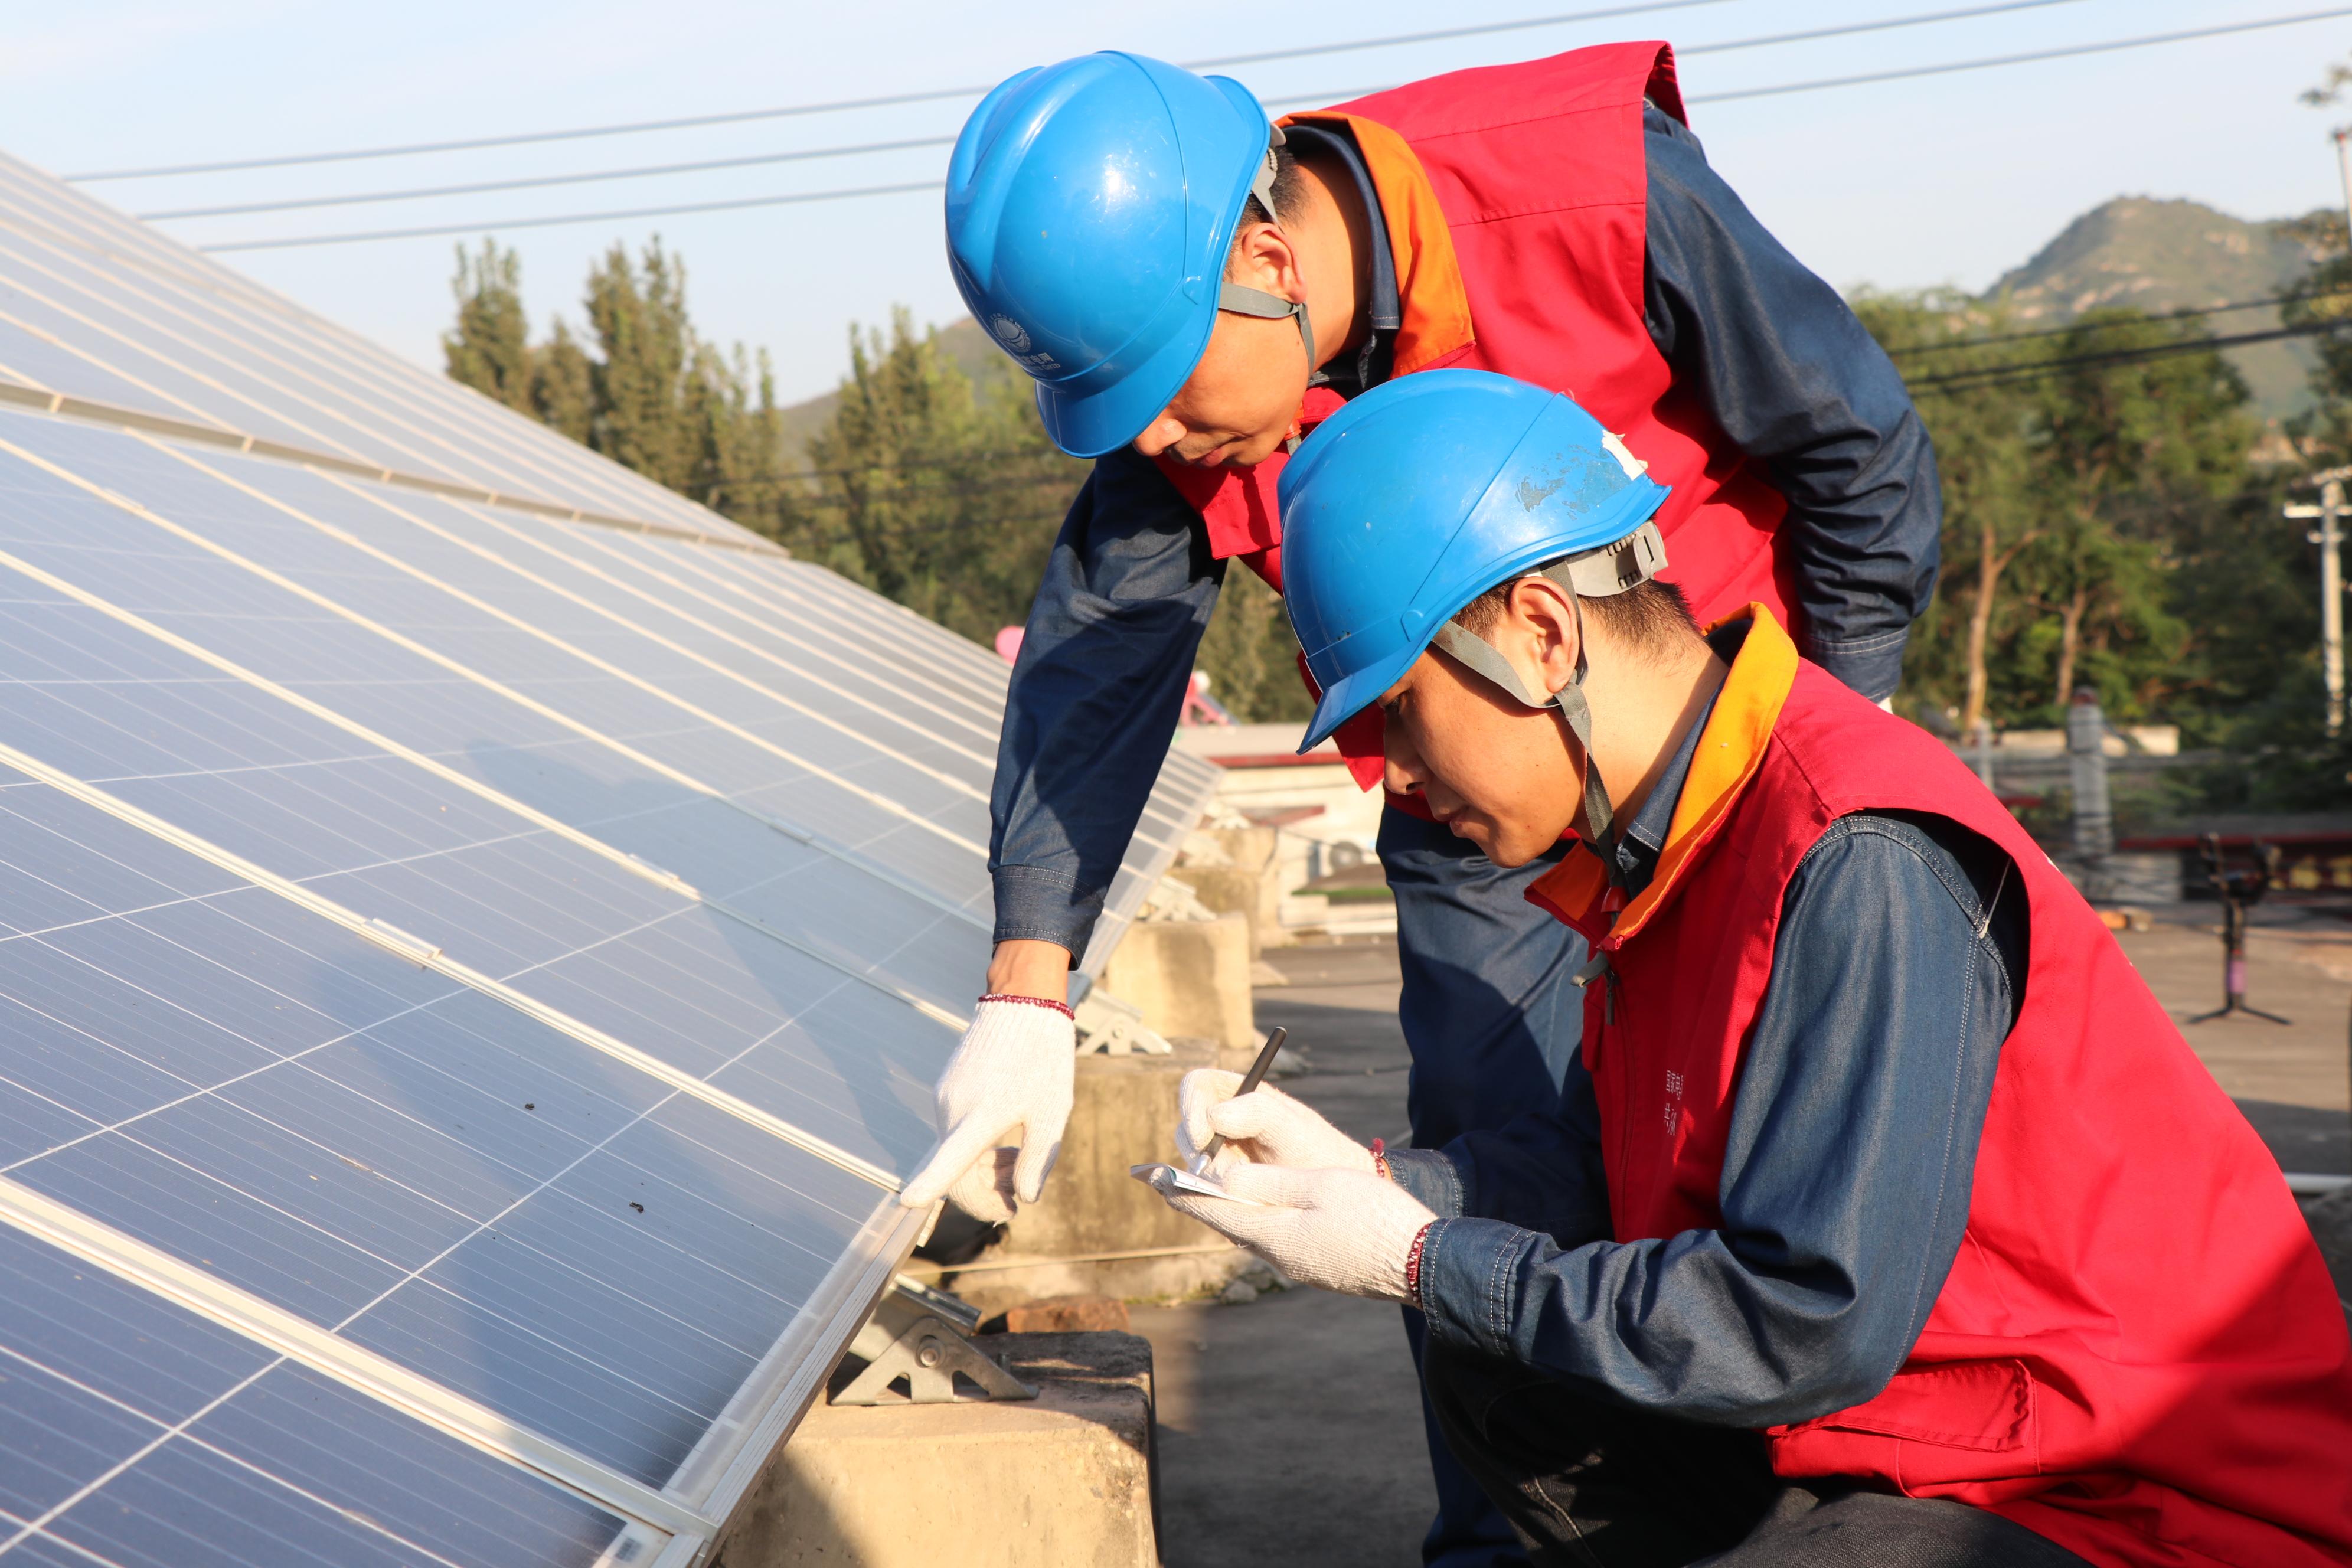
<point x="1061" y="1007"/>
<point x="1413" y="1265"/>
<point x="1380" y="1160"/>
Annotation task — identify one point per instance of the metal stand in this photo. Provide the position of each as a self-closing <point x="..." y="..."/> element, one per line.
<point x="2238" y="891"/>
<point x="1112" y="1027"/>
<point x="911" y="1337"/>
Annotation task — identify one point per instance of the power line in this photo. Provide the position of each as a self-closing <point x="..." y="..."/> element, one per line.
<point x="590" y="178"/>
<point x="2187" y="314"/>
<point x="2004" y="375"/>
<point x="1990" y="60"/>
<point x="835" y="106"/>
<point x="1478" y="30"/>
<point x="431" y="230"/>
<point x="524" y="139"/>
<point x="857" y="149"/>
<point x="1907" y="73"/>
<point x="852" y="192"/>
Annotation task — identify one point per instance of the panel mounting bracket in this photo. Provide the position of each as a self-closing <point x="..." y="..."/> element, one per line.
<point x="1114" y="1028"/>
<point x="917" y="1334"/>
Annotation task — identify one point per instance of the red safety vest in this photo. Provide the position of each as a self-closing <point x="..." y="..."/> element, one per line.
<point x="1517" y="203"/>
<point x="2138" y="1352"/>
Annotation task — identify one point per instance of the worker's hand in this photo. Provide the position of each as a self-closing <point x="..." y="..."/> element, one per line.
<point x="1013" y="1069"/>
<point x="1264" y="1127"/>
<point x="1348" y="1231"/>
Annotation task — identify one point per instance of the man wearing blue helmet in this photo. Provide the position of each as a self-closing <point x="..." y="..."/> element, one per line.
<point x="1193" y="289"/>
<point x="1885" y="1217"/>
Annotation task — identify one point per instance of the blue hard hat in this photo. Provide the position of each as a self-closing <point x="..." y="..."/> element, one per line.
<point x="1421" y="494"/>
<point x="1090" y="205"/>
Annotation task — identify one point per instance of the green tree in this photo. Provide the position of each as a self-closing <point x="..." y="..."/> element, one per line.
<point x="489" y="349"/>
<point x="563" y="384"/>
<point x="944" y="496"/>
<point x="2073" y="497"/>
<point x="1983" y="433"/>
<point x="1251" y="654"/>
<point x="2117" y="440"/>
<point x="654" y="395"/>
<point x="668" y="404"/>
<point x="645" y="388"/>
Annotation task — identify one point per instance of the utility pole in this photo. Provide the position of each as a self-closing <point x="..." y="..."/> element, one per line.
<point x="2086" y="760"/>
<point x="2343" y="135"/>
<point x="2329" y="537"/>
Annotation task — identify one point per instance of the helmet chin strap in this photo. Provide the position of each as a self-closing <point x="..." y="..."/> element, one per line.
<point x="1597" y="574"/>
<point x="1246" y="302"/>
<point x="1482" y="656"/>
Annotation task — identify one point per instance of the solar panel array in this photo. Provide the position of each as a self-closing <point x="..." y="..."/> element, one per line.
<point x="476" y="934"/>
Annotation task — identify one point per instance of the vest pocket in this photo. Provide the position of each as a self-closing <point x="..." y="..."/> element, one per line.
<point x="1985" y="1406"/>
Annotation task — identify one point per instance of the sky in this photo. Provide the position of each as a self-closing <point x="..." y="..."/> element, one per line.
<point x="1945" y="179"/>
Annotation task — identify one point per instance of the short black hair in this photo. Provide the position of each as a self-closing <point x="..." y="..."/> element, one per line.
<point x="1651" y="616"/>
<point x="1289" y="199"/>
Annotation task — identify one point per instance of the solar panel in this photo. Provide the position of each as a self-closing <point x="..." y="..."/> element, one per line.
<point x="138" y="304"/>
<point x="476" y="935"/>
<point x="143" y="1434"/>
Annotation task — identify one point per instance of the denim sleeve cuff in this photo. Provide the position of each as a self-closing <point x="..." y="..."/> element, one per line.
<point x="1034" y="903"/>
<point x="1469" y="1271"/>
<point x="1872" y="666"/>
<point x="1430" y="1176"/>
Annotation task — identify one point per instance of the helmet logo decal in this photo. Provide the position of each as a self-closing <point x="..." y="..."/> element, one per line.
<point x="1009" y="333"/>
<point x="1015" y="338"/>
<point x="1614" y="445"/>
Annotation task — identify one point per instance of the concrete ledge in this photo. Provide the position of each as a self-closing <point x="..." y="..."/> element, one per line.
<point x="1238" y="871"/>
<point x="1065" y="1478"/>
<point x="1190" y="977"/>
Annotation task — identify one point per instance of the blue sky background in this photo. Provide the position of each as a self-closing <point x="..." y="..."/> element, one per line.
<point x="1944" y="180"/>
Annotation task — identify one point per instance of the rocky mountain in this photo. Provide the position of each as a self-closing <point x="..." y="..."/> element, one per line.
<point x="2160" y="255"/>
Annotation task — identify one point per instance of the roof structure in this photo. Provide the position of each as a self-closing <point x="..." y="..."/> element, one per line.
<point x="476" y="934"/>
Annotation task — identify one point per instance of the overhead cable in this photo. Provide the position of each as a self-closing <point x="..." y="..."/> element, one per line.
<point x="2035" y="369"/>
<point x="835" y="106"/>
<point x="1907" y="73"/>
<point x="849" y="193"/>
<point x="858" y="149"/>
<point x="2187" y="314"/>
<point x="534" y="181"/>
<point x="479" y="228"/>
<point x="2054" y="53"/>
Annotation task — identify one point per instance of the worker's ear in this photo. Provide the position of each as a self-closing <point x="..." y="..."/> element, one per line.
<point x="1264" y="258"/>
<point x="1541" y="633"/>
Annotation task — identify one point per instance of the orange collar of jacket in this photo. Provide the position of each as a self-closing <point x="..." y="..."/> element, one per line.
<point x="1433" y="303"/>
<point x="1730" y="750"/>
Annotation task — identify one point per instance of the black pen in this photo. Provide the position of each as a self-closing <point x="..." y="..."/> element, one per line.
<point x="1250" y="1080"/>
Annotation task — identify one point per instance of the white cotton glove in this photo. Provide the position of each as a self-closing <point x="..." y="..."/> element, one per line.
<point x="1349" y="1231"/>
<point x="1013" y="1068"/>
<point x="1264" y="1127"/>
